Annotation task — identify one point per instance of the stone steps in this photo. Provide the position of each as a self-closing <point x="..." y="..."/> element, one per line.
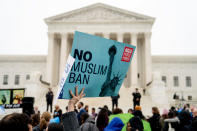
<point x="125" y="101"/>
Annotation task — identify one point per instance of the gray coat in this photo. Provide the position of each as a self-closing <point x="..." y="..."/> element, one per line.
<point x="89" y="125"/>
<point x="70" y="123"/>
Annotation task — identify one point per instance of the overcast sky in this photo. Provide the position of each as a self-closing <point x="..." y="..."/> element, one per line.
<point x="23" y="31"/>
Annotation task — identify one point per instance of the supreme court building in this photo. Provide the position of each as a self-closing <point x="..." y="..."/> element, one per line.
<point x="161" y="76"/>
<point x="104" y="21"/>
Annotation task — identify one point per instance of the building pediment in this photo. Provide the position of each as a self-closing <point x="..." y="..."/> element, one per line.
<point x="99" y="13"/>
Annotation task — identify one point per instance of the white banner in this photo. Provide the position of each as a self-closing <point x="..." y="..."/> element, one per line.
<point x="67" y="69"/>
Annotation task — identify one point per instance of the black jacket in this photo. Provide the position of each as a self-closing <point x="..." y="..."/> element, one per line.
<point x="136" y="96"/>
<point x="49" y="97"/>
<point x="115" y="98"/>
<point x="154" y="122"/>
<point x="58" y="114"/>
<point x="194" y="124"/>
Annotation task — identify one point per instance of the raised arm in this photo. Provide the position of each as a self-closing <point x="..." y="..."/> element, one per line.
<point x="69" y="119"/>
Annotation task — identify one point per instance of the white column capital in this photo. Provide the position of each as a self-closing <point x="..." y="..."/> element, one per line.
<point x="64" y="35"/>
<point x="148" y="34"/>
<point x="134" y="34"/>
<point x="51" y="34"/>
<point x="120" y="34"/>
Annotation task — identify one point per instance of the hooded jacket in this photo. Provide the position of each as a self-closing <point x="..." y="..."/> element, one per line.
<point x="116" y="124"/>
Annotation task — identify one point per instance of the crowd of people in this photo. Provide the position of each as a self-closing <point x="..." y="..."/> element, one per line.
<point x="78" y="118"/>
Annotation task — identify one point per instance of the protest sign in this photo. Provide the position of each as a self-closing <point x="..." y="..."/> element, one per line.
<point x="18" y="96"/>
<point x="5" y="97"/>
<point x="100" y="66"/>
<point x="11" y="98"/>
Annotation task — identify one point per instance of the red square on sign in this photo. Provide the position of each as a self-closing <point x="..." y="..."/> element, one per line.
<point x="127" y="54"/>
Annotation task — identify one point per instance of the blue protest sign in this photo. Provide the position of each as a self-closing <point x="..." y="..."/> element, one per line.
<point x="100" y="65"/>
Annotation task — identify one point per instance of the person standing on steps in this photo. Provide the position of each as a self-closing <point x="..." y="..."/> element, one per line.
<point x="136" y="98"/>
<point x="115" y="101"/>
<point x="49" y="99"/>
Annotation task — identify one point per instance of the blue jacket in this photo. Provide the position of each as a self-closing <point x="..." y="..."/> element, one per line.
<point x="116" y="124"/>
<point x="79" y="115"/>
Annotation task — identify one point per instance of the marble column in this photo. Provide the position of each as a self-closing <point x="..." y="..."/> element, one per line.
<point x="127" y="80"/>
<point x="120" y="37"/>
<point x="134" y="62"/>
<point x="148" y="59"/>
<point x="63" y="53"/>
<point x="56" y="61"/>
<point x="50" y="57"/>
